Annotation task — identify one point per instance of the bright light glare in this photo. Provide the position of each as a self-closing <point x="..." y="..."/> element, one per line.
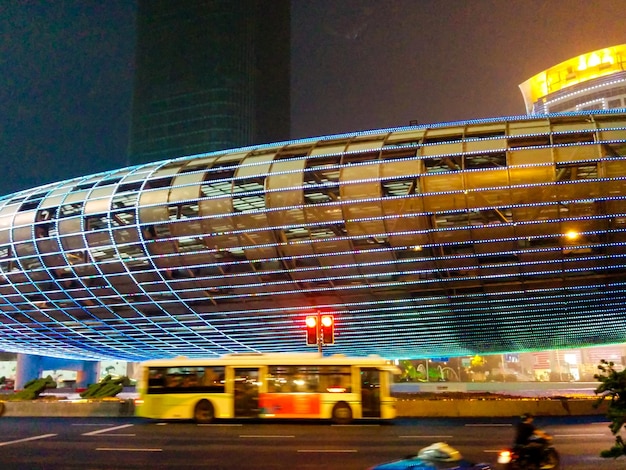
<point x="504" y="457"/>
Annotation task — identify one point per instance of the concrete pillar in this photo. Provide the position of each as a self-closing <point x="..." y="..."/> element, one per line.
<point x="133" y="370"/>
<point x="28" y="367"/>
<point x="87" y="373"/>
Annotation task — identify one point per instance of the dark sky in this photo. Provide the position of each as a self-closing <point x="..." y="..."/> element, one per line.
<point x="66" y="69"/>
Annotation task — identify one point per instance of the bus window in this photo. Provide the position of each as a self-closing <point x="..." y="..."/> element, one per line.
<point x="293" y="379"/>
<point x="337" y="379"/>
<point x="213" y="379"/>
<point x="186" y="379"/>
<point x="156" y="379"/>
<point x="311" y="379"/>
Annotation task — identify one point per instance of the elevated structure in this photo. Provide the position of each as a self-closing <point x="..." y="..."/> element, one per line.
<point x="480" y="236"/>
<point x="209" y="75"/>
<point x="595" y="80"/>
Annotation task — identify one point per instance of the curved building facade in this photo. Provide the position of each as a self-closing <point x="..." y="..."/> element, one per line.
<point x="486" y="236"/>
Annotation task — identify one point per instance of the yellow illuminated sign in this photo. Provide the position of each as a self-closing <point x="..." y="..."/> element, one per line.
<point x="573" y="71"/>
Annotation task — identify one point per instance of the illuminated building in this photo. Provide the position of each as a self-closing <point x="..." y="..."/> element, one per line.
<point x="209" y="75"/>
<point x="595" y="80"/>
<point x="482" y="236"/>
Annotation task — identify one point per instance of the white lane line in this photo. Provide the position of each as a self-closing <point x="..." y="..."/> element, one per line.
<point x="494" y="425"/>
<point x="100" y="431"/>
<point x="327" y="451"/>
<point x="373" y="425"/>
<point x="223" y="425"/>
<point x="261" y="436"/>
<point x="26" y="439"/>
<point x="92" y="424"/>
<point x="426" y="436"/>
<point x="128" y="449"/>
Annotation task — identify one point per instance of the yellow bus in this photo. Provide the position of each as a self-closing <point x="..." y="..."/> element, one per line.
<point x="284" y="385"/>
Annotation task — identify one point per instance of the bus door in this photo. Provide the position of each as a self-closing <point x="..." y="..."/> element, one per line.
<point x="370" y="392"/>
<point x="246" y="392"/>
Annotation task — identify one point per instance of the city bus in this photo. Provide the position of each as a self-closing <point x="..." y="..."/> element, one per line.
<point x="282" y="385"/>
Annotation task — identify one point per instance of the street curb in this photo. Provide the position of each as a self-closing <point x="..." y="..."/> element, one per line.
<point x="493" y="408"/>
<point x="405" y="408"/>
<point x="68" y="408"/>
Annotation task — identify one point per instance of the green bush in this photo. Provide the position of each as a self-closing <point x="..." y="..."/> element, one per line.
<point x="612" y="388"/>
<point x="107" y="387"/>
<point x="33" y="388"/>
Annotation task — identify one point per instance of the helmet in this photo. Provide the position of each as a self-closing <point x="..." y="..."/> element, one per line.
<point x="441" y="452"/>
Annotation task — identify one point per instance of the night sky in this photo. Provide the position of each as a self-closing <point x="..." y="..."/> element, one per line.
<point x="67" y="69"/>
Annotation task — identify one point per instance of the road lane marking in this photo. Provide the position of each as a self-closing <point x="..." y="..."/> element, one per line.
<point x="488" y="425"/>
<point x="26" y="439"/>
<point x="280" y="436"/>
<point x="327" y="451"/>
<point x="373" y="425"/>
<point x="128" y="449"/>
<point x="101" y="431"/>
<point x="223" y="425"/>
<point x="92" y="424"/>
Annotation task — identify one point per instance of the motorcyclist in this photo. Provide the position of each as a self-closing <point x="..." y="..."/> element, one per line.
<point x="531" y="440"/>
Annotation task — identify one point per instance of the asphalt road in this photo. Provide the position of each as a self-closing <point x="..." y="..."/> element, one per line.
<point x="131" y="443"/>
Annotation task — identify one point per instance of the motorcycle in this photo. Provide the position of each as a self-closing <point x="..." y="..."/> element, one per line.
<point x="519" y="458"/>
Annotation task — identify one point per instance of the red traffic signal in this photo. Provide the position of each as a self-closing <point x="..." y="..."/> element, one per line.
<point x="311" y="330"/>
<point x="327" y="329"/>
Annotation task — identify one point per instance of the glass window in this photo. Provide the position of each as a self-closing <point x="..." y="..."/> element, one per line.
<point x="186" y="379"/>
<point x="312" y="379"/>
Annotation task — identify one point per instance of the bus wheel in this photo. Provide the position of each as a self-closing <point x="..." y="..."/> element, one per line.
<point x="203" y="413"/>
<point x="342" y="413"/>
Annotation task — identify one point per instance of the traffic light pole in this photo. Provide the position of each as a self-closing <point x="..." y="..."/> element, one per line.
<point x="320" y="330"/>
<point x="320" y="337"/>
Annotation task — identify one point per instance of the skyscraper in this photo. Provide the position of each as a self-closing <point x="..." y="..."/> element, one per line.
<point x="210" y="75"/>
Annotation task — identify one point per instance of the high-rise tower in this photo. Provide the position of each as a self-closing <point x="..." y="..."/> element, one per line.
<point x="210" y="75"/>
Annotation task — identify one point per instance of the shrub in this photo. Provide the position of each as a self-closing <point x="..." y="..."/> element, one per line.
<point x="613" y="388"/>
<point x="33" y="388"/>
<point x="107" y="387"/>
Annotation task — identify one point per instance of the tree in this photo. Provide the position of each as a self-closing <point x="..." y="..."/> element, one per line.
<point x="613" y="388"/>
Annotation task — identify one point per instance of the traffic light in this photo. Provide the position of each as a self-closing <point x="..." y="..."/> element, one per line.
<point x="311" y="330"/>
<point x="327" y="329"/>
